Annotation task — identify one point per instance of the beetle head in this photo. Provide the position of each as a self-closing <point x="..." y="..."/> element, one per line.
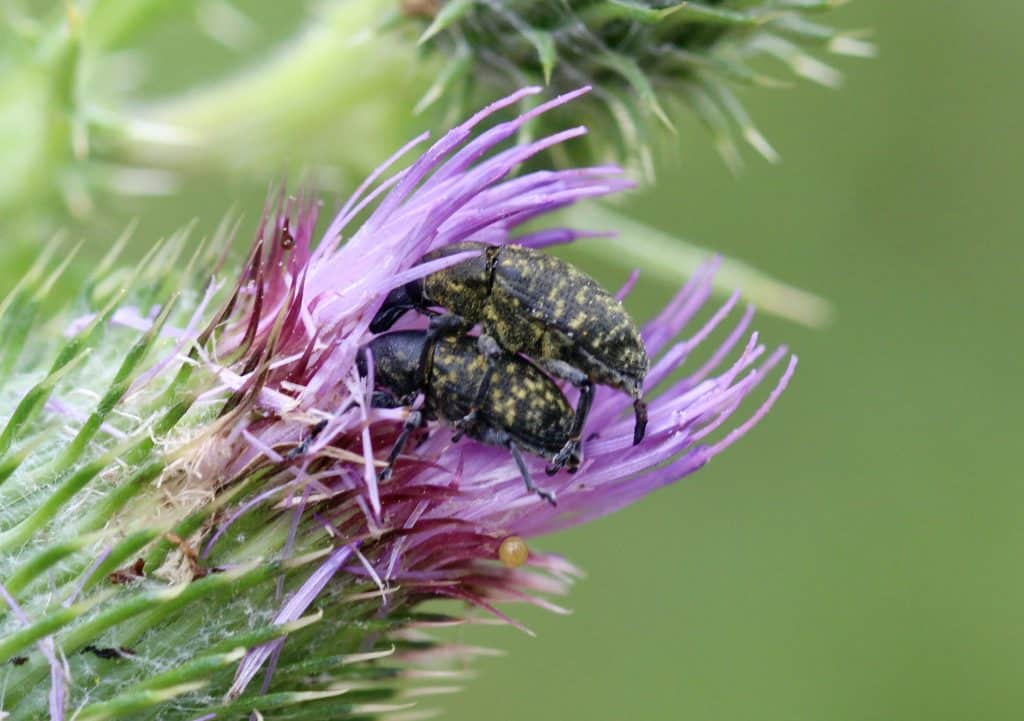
<point x="396" y="360"/>
<point x="400" y="300"/>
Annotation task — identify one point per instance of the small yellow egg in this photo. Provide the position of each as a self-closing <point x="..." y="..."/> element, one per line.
<point x="513" y="552"/>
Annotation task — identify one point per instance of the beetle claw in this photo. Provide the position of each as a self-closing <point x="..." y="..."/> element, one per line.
<point x="547" y="496"/>
<point x="569" y="458"/>
<point x="463" y="424"/>
<point x="640" y="426"/>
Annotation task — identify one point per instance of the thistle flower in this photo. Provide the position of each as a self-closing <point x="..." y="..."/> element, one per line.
<point x="194" y="528"/>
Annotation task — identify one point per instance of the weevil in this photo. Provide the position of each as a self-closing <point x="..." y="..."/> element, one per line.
<point x="522" y="409"/>
<point x="538" y="305"/>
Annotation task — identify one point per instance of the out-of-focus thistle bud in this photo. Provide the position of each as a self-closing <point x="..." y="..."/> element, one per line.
<point x="644" y="58"/>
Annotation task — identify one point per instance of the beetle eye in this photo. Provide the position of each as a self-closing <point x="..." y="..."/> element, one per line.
<point x="387" y="317"/>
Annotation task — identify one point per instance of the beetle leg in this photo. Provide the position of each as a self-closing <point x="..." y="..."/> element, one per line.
<point x="571" y="454"/>
<point x="492" y="265"/>
<point x="378" y="399"/>
<point x="400" y="300"/>
<point x="525" y="473"/>
<point x="446" y="324"/>
<point x="490" y="348"/>
<point x="640" y="410"/>
<point x="461" y="426"/>
<point x="383" y="399"/>
<point x="301" y="448"/>
<point x="411" y="423"/>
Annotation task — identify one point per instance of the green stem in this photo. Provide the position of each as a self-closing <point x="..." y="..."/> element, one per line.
<point x="671" y="259"/>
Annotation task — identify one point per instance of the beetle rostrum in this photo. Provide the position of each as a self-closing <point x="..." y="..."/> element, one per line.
<point x="538" y="305"/>
<point x="520" y="408"/>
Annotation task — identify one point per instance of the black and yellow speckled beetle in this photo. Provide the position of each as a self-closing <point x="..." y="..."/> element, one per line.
<point x="521" y="408"/>
<point x="542" y="307"/>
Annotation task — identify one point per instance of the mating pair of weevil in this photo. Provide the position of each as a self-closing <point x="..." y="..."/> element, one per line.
<point x="526" y="303"/>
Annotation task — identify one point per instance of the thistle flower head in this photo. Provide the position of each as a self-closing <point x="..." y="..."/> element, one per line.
<point x="646" y="58"/>
<point x="236" y="454"/>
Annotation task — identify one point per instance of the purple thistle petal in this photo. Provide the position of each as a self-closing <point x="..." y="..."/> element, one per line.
<point x="85" y="577"/>
<point x="238" y="512"/>
<point x="60" y="674"/>
<point x="59" y="677"/>
<point x="356" y="202"/>
<point x="292" y="609"/>
<point x="628" y="286"/>
<point x="557" y="236"/>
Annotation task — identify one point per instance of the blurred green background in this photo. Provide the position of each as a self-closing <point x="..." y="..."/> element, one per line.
<point x="858" y="556"/>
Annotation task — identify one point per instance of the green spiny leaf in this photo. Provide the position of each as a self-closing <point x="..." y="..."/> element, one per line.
<point x="118" y="387"/>
<point x="453" y="72"/>
<point x="273" y="701"/>
<point x="160" y="604"/>
<point x="128" y="547"/>
<point x="547" y="51"/>
<point x="134" y="484"/>
<point x="129" y="704"/>
<point x="701" y="12"/>
<point x="19" y="641"/>
<point x="262" y="635"/>
<point x="184" y="529"/>
<point x="32" y="402"/>
<point x="13" y="461"/>
<point x="58" y="497"/>
<point x="451" y="12"/>
<point x="677" y="12"/>
<point x="33" y="569"/>
<point x="634" y="75"/>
